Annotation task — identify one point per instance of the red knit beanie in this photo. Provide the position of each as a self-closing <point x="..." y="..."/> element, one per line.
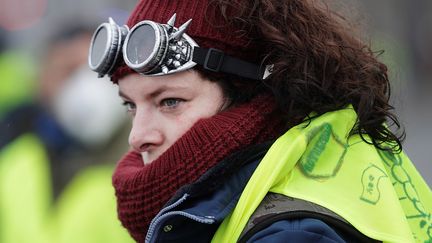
<point x="208" y="28"/>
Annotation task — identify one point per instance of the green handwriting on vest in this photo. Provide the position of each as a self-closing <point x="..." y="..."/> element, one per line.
<point x="370" y="181"/>
<point x="414" y="209"/>
<point x="319" y="162"/>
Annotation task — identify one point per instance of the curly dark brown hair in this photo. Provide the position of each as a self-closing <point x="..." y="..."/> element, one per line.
<point x="319" y="65"/>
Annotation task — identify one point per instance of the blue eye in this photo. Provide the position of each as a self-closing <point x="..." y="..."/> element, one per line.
<point x="171" y="102"/>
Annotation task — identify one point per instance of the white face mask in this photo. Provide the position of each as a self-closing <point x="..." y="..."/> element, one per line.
<point x="89" y="108"/>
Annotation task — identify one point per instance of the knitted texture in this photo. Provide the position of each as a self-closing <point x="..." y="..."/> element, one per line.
<point x="142" y="190"/>
<point x="208" y="28"/>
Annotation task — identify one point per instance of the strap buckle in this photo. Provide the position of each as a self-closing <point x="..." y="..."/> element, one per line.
<point x="213" y="60"/>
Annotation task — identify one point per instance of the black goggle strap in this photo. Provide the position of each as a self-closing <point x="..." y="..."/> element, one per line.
<point x="216" y="61"/>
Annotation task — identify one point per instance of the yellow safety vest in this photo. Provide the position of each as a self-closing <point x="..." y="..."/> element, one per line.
<point x="85" y="211"/>
<point x="25" y="194"/>
<point x="381" y="194"/>
<point x="18" y="80"/>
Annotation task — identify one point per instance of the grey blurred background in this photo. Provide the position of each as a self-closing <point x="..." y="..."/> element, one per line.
<point x="402" y="28"/>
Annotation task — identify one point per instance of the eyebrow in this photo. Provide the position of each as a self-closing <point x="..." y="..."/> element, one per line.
<point x="123" y="95"/>
<point x="156" y="92"/>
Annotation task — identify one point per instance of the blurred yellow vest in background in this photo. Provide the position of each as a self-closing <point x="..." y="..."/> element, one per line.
<point x="85" y="212"/>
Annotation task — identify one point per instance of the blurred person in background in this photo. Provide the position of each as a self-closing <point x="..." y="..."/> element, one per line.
<point x="2" y="40"/>
<point x="19" y="171"/>
<point x="55" y="163"/>
<point x="257" y="121"/>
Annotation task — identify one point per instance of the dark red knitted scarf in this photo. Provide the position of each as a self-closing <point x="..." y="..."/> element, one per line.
<point x="142" y="190"/>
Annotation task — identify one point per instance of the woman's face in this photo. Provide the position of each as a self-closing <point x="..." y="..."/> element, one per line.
<point x="163" y="108"/>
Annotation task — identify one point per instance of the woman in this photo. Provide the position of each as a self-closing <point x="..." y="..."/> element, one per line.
<point x="208" y="98"/>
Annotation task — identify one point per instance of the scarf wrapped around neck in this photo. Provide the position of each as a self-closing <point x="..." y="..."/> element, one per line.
<point x="142" y="190"/>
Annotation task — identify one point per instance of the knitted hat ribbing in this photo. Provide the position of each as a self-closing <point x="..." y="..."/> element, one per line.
<point x="208" y="29"/>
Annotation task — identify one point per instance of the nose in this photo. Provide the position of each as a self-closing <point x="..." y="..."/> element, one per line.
<point x="145" y="133"/>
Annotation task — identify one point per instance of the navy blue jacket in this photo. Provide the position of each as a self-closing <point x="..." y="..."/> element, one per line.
<point x="196" y="211"/>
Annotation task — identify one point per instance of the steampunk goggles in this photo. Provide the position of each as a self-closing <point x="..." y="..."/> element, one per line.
<point x="153" y="49"/>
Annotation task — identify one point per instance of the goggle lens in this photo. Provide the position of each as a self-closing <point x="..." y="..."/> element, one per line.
<point x="141" y="44"/>
<point x="99" y="48"/>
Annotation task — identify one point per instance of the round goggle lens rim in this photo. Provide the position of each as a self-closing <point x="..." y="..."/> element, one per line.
<point x="148" y="63"/>
<point x="95" y="64"/>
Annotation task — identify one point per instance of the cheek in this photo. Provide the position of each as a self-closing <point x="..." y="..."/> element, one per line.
<point x="179" y="125"/>
<point x="183" y="124"/>
<point x="173" y="128"/>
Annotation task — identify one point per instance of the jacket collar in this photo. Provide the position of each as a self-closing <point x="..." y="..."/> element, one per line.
<point x="213" y="196"/>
